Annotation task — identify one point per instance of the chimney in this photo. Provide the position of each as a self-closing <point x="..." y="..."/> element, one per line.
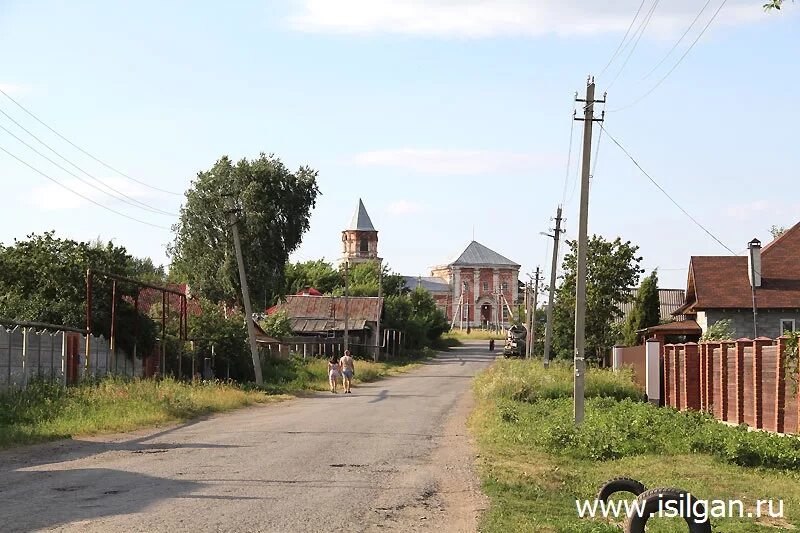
<point x="754" y="263"/>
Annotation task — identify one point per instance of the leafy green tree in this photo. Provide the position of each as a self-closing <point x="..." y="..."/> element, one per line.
<point x="777" y="231"/>
<point x="415" y="314"/>
<point x="43" y="279"/>
<point x="274" y="210"/>
<point x="228" y="336"/>
<point x="646" y="310"/>
<point x="318" y="274"/>
<point x="363" y="280"/>
<point x="277" y="325"/>
<point x="612" y="267"/>
<point x="773" y="4"/>
<point x="721" y="330"/>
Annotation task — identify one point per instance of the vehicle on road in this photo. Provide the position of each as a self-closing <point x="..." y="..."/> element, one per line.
<point x="515" y="342"/>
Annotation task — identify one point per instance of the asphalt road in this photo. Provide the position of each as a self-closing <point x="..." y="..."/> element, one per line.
<point x="394" y="455"/>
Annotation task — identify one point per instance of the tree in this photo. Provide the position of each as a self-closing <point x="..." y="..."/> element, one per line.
<point x="363" y="280"/>
<point x="44" y="280"/>
<point x="277" y="325"/>
<point x="777" y="231"/>
<point x="318" y="274"/>
<point x="612" y="267"/>
<point x="773" y="4"/>
<point x="646" y="310"/>
<point x="274" y="210"/>
<point x="228" y="336"/>
<point x="721" y="330"/>
<point x="417" y="316"/>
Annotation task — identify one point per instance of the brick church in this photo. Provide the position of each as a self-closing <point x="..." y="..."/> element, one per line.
<point x="477" y="288"/>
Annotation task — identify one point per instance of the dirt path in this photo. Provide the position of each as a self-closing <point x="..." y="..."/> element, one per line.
<point x="395" y="455"/>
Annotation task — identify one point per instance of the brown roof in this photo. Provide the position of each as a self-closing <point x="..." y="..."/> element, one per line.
<point x="669" y="300"/>
<point x="326" y="313"/>
<point x="683" y="327"/>
<point x="722" y="282"/>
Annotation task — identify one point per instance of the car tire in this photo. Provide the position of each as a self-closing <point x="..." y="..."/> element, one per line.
<point x="650" y="502"/>
<point x="620" y="484"/>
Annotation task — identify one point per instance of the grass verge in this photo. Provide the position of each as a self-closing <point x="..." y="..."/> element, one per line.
<point x="535" y="463"/>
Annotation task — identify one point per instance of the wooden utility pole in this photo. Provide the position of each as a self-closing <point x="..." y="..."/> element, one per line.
<point x="548" y="332"/>
<point x="346" y="297"/>
<point x="248" y="309"/>
<point x="583" y="240"/>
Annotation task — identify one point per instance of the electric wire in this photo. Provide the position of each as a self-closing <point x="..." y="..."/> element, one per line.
<point x="132" y="201"/>
<point x="679" y="41"/>
<point x="645" y="95"/>
<point x="79" y="194"/>
<point x="569" y="153"/>
<point x="665" y="193"/>
<point x="640" y="31"/>
<point x="624" y="37"/>
<point x="40" y="121"/>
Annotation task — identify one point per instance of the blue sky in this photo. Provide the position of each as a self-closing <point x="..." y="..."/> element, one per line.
<point x="445" y="116"/>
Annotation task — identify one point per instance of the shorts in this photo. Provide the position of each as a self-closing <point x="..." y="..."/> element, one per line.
<point x="348" y="374"/>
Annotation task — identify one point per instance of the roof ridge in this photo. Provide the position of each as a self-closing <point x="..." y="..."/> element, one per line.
<point x="769" y="245"/>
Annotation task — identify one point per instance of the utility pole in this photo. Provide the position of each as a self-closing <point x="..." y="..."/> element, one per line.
<point x="583" y="240"/>
<point x="548" y="332"/>
<point x="346" y="291"/>
<point x="248" y="310"/>
<point x="532" y="316"/>
<point x="378" y="328"/>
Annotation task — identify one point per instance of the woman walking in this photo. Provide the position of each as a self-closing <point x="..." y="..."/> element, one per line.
<point x="333" y="372"/>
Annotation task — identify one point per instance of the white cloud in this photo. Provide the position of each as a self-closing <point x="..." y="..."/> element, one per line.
<point x="749" y="210"/>
<point x="457" y="162"/>
<point x="486" y="18"/>
<point x="52" y="196"/>
<point x="405" y="207"/>
<point x="14" y="88"/>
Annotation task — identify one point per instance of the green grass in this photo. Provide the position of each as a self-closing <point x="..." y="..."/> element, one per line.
<point x="474" y="334"/>
<point x="45" y="411"/>
<point x="535" y="463"/>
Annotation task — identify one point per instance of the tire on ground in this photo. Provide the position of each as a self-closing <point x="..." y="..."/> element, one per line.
<point x="650" y="502"/>
<point x="620" y="484"/>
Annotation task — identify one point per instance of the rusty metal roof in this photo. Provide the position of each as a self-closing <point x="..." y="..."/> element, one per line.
<point x="325" y="313"/>
<point x="322" y="325"/>
<point x="669" y="299"/>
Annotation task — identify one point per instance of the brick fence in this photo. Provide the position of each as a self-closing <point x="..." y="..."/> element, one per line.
<point x="743" y="382"/>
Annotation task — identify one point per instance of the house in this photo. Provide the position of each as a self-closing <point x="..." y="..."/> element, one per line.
<point x="324" y="316"/>
<point x="764" y="284"/>
<point x="669" y="301"/>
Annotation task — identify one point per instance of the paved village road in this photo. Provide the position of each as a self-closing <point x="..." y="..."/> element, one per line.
<point x="394" y="455"/>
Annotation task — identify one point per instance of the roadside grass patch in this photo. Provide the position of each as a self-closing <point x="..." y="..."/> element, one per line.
<point x="535" y="462"/>
<point x="46" y="411"/>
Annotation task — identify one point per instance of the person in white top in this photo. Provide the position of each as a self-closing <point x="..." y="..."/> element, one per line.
<point x="333" y="373"/>
<point x="347" y="366"/>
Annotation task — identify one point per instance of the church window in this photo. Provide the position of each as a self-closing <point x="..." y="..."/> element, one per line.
<point x="485" y="286"/>
<point x="364" y="245"/>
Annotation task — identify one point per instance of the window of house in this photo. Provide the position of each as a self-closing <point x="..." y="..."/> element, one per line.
<point x="485" y="285"/>
<point x="505" y="314"/>
<point x="787" y="324"/>
<point x="364" y="245"/>
<point x="504" y="286"/>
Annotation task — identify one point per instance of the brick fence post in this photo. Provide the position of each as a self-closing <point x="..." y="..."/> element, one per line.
<point x="710" y="377"/>
<point x="666" y="352"/>
<point x="703" y="377"/>
<point x="738" y="366"/>
<point x="723" y="380"/>
<point x="676" y="378"/>
<point x="690" y="377"/>
<point x="780" y="386"/>
<point x="758" y="381"/>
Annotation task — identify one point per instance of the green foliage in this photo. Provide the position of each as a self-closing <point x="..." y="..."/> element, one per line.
<point x="777" y="231"/>
<point x="44" y="280"/>
<point x="363" y="279"/>
<point x="227" y="335"/>
<point x="792" y="359"/>
<point x="277" y="325"/>
<point x="722" y="330"/>
<point x="318" y="274"/>
<point x="646" y="310"/>
<point x="773" y="4"/>
<point x="612" y="267"/>
<point x="275" y="206"/>
<point x="415" y="314"/>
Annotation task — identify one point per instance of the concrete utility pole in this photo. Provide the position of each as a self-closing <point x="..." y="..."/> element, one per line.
<point x="532" y="316"/>
<point x="548" y="332"/>
<point x="583" y="240"/>
<point x="346" y="298"/>
<point x="248" y="309"/>
<point x="378" y="328"/>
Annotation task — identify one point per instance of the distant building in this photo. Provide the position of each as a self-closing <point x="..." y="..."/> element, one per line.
<point x="670" y="300"/>
<point x="360" y="239"/>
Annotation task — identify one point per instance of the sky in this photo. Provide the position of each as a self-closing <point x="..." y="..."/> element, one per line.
<point x="451" y="119"/>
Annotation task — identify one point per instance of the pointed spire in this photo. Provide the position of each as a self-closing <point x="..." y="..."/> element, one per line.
<point x="361" y="220"/>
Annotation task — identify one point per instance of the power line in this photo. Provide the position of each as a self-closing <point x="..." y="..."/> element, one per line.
<point x="679" y="41"/>
<point x="40" y="121"/>
<point x="645" y="95"/>
<point x="619" y="46"/>
<point x="133" y="202"/>
<point x="640" y="31"/>
<point x="569" y="153"/>
<point x="79" y="194"/>
<point x="654" y="182"/>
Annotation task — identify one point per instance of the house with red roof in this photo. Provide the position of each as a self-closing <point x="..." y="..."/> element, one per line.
<point x="766" y="280"/>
